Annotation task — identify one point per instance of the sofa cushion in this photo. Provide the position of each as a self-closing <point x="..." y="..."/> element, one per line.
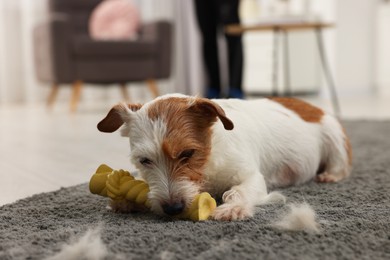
<point x="114" y="20"/>
<point x="85" y="46"/>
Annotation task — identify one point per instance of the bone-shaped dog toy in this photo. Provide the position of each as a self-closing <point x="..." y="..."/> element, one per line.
<point x="121" y="185"/>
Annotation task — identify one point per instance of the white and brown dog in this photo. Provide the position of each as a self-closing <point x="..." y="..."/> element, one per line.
<point x="233" y="149"/>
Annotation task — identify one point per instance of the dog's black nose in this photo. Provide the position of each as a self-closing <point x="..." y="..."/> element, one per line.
<point x="173" y="208"/>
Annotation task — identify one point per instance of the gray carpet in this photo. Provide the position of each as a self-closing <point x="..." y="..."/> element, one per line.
<point x="354" y="217"/>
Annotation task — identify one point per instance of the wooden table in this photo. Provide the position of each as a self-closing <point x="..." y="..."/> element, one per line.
<point x="284" y="27"/>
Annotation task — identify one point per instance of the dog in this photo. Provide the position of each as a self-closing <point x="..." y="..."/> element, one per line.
<point x="237" y="150"/>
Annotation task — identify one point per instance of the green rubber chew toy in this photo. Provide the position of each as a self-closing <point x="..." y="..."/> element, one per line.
<point x="121" y="185"/>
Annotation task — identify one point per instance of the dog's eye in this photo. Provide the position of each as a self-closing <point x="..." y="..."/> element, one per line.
<point x="186" y="154"/>
<point x="145" y="161"/>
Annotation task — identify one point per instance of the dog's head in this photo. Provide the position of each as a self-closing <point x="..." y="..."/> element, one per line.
<point x="170" y="142"/>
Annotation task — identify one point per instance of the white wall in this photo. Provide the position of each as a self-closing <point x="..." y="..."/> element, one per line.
<point x="383" y="49"/>
<point x="355" y="46"/>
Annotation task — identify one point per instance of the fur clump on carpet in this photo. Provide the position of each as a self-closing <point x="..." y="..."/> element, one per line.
<point x="299" y="217"/>
<point x="353" y="216"/>
<point x="88" y="247"/>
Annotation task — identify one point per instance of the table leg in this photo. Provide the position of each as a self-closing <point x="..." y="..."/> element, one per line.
<point x="328" y="76"/>
<point x="287" y="83"/>
<point x="275" y="62"/>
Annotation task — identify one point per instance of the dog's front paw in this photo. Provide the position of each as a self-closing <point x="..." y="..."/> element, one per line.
<point x="231" y="195"/>
<point x="326" y="178"/>
<point x="229" y="212"/>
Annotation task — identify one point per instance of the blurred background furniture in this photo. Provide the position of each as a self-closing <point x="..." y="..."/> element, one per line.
<point x="66" y="54"/>
<point x="284" y="27"/>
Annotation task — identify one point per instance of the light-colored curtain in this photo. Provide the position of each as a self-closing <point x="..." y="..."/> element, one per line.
<point x="188" y="77"/>
<point x="188" y="62"/>
<point x="17" y="78"/>
<point x="18" y="83"/>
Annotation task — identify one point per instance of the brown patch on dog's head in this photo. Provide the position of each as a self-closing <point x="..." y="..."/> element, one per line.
<point x="306" y="111"/>
<point x="187" y="142"/>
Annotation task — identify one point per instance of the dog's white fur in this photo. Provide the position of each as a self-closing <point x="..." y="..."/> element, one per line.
<point x="270" y="146"/>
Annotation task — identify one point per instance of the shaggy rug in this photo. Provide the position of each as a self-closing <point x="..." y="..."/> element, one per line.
<point x="354" y="217"/>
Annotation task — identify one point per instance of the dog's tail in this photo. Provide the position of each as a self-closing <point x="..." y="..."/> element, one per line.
<point x="337" y="151"/>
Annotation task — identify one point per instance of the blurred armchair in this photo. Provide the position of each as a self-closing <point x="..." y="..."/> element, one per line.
<point x="65" y="54"/>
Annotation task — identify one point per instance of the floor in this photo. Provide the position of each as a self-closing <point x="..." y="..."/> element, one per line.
<point x="43" y="150"/>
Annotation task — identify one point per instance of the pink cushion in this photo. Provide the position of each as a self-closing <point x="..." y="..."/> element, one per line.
<point x="114" y="20"/>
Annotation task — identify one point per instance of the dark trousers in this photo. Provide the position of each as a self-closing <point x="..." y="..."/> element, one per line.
<point x="212" y="16"/>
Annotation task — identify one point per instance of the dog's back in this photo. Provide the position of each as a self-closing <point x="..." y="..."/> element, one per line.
<point x="289" y="140"/>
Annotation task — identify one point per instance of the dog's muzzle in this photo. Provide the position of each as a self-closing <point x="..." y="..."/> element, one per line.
<point x="173" y="208"/>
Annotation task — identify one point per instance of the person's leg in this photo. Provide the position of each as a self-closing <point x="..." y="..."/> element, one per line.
<point x="206" y="13"/>
<point x="229" y="14"/>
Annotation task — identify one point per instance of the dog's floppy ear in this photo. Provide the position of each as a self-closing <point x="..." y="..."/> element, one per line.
<point x="116" y="117"/>
<point x="210" y="109"/>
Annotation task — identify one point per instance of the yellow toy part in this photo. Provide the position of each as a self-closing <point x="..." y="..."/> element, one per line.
<point x="118" y="185"/>
<point x="97" y="184"/>
<point x="201" y="207"/>
<point x="121" y="185"/>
